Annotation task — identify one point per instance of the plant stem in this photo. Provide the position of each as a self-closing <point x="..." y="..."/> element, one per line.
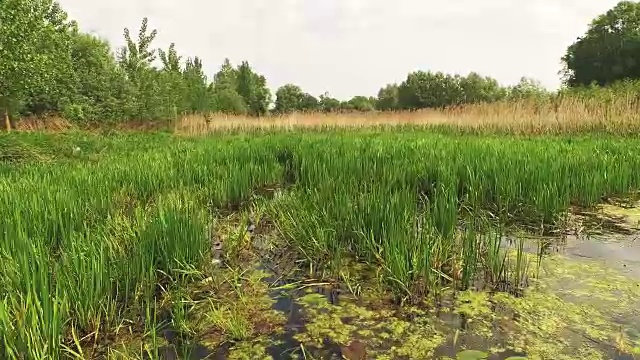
<point x="7" y="123"/>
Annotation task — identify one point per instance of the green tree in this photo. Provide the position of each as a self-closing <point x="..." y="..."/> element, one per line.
<point x="609" y="51"/>
<point x="253" y="89"/>
<point x="224" y="92"/>
<point x="527" y="88"/>
<point x="387" y="98"/>
<point x="423" y="90"/>
<point x="427" y="90"/>
<point x="35" y="56"/>
<point x="198" y="97"/>
<point x="228" y="101"/>
<point x="101" y="88"/>
<point x="170" y="59"/>
<point x="137" y="56"/>
<point x="327" y="103"/>
<point x="153" y="98"/>
<point x="476" y="89"/>
<point x="289" y="98"/>
<point x="309" y="102"/>
<point x="173" y="89"/>
<point x="360" y="103"/>
<point x="226" y="77"/>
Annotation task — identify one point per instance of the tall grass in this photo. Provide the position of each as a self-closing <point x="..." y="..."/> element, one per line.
<point x="613" y="110"/>
<point x="85" y="245"/>
<point x="602" y="111"/>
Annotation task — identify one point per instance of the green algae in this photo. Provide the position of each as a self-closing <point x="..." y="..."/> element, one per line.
<point x="573" y="309"/>
<point x="471" y="355"/>
<point x="609" y="218"/>
<point x="630" y="215"/>
<point x="385" y="334"/>
<point x="250" y="350"/>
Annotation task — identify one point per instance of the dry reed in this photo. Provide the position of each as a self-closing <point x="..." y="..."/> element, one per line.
<point x="560" y="115"/>
<point x="568" y="115"/>
<point x="48" y="123"/>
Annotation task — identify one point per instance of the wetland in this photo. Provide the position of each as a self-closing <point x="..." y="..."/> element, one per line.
<point x="335" y="244"/>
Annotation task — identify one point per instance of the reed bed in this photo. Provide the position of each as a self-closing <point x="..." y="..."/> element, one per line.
<point x="86" y="245"/>
<point x="554" y="115"/>
<point x="578" y="112"/>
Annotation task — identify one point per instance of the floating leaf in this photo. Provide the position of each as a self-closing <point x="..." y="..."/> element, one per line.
<point x="471" y="355"/>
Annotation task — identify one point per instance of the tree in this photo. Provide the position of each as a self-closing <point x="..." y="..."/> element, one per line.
<point x="427" y="90"/>
<point x="387" y="98"/>
<point x="197" y="94"/>
<point x="35" y="54"/>
<point x="309" y="102"/>
<point x="136" y="57"/>
<point x="360" y="103"/>
<point x="328" y="103"/>
<point x="253" y="89"/>
<point x="228" y="101"/>
<point x="101" y="90"/>
<point x="173" y="86"/>
<point x="226" y="77"/>
<point x="527" y="88"/>
<point x="288" y="98"/>
<point x="225" y="96"/>
<point x="609" y="51"/>
<point x="477" y="89"/>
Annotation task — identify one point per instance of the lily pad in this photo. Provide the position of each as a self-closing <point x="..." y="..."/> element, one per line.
<point x="472" y="355"/>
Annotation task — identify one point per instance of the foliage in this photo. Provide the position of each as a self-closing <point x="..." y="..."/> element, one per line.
<point x="228" y="101"/>
<point x="527" y="88"/>
<point x="289" y="98"/>
<point x="328" y="103"/>
<point x="100" y="251"/>
<point x="102" y="88"/>
<point x="253" y="89"/>
<point x="35" y="55"/>
<point x="478" y="89"/>
<point x="359" y="103"/>
<point x="608" y="51"/>
<point x="388" y="98"/>
<point x="49" y="66"/>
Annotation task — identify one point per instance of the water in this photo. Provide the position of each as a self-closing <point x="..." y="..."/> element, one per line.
<point x="620" y="252"/>
<point x="577" y="265"/>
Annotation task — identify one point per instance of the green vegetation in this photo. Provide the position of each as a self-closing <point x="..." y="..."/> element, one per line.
<point x="608" y="51"/>
<point x="75" y="75"/>
<point x="122" y="229"/>
<point x="389" y="242"/>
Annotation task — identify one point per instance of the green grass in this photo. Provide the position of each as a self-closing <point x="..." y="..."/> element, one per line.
<point x="92" y="237"/>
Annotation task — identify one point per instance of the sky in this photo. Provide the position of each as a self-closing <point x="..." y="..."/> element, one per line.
<point x="354" y="47"/>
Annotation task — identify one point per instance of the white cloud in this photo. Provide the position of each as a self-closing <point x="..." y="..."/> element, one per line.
<point x="351" y="47"/>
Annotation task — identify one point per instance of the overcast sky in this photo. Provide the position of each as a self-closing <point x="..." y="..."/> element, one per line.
<point x="353" y="47"/>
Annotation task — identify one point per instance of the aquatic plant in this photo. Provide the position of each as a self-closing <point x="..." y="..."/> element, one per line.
<point x="98" y="241"/>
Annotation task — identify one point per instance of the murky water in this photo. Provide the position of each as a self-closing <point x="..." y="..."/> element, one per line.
<point x="620" y="252"/>
<point x="589" y="288"/>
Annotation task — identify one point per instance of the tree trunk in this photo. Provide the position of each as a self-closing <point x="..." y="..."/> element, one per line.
<point x="7" y="123"/>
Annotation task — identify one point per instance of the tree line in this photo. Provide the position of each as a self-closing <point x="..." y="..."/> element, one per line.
<point x="47" y="65"/>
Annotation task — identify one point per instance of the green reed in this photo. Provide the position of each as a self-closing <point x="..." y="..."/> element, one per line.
<point x="94" y="240"/>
